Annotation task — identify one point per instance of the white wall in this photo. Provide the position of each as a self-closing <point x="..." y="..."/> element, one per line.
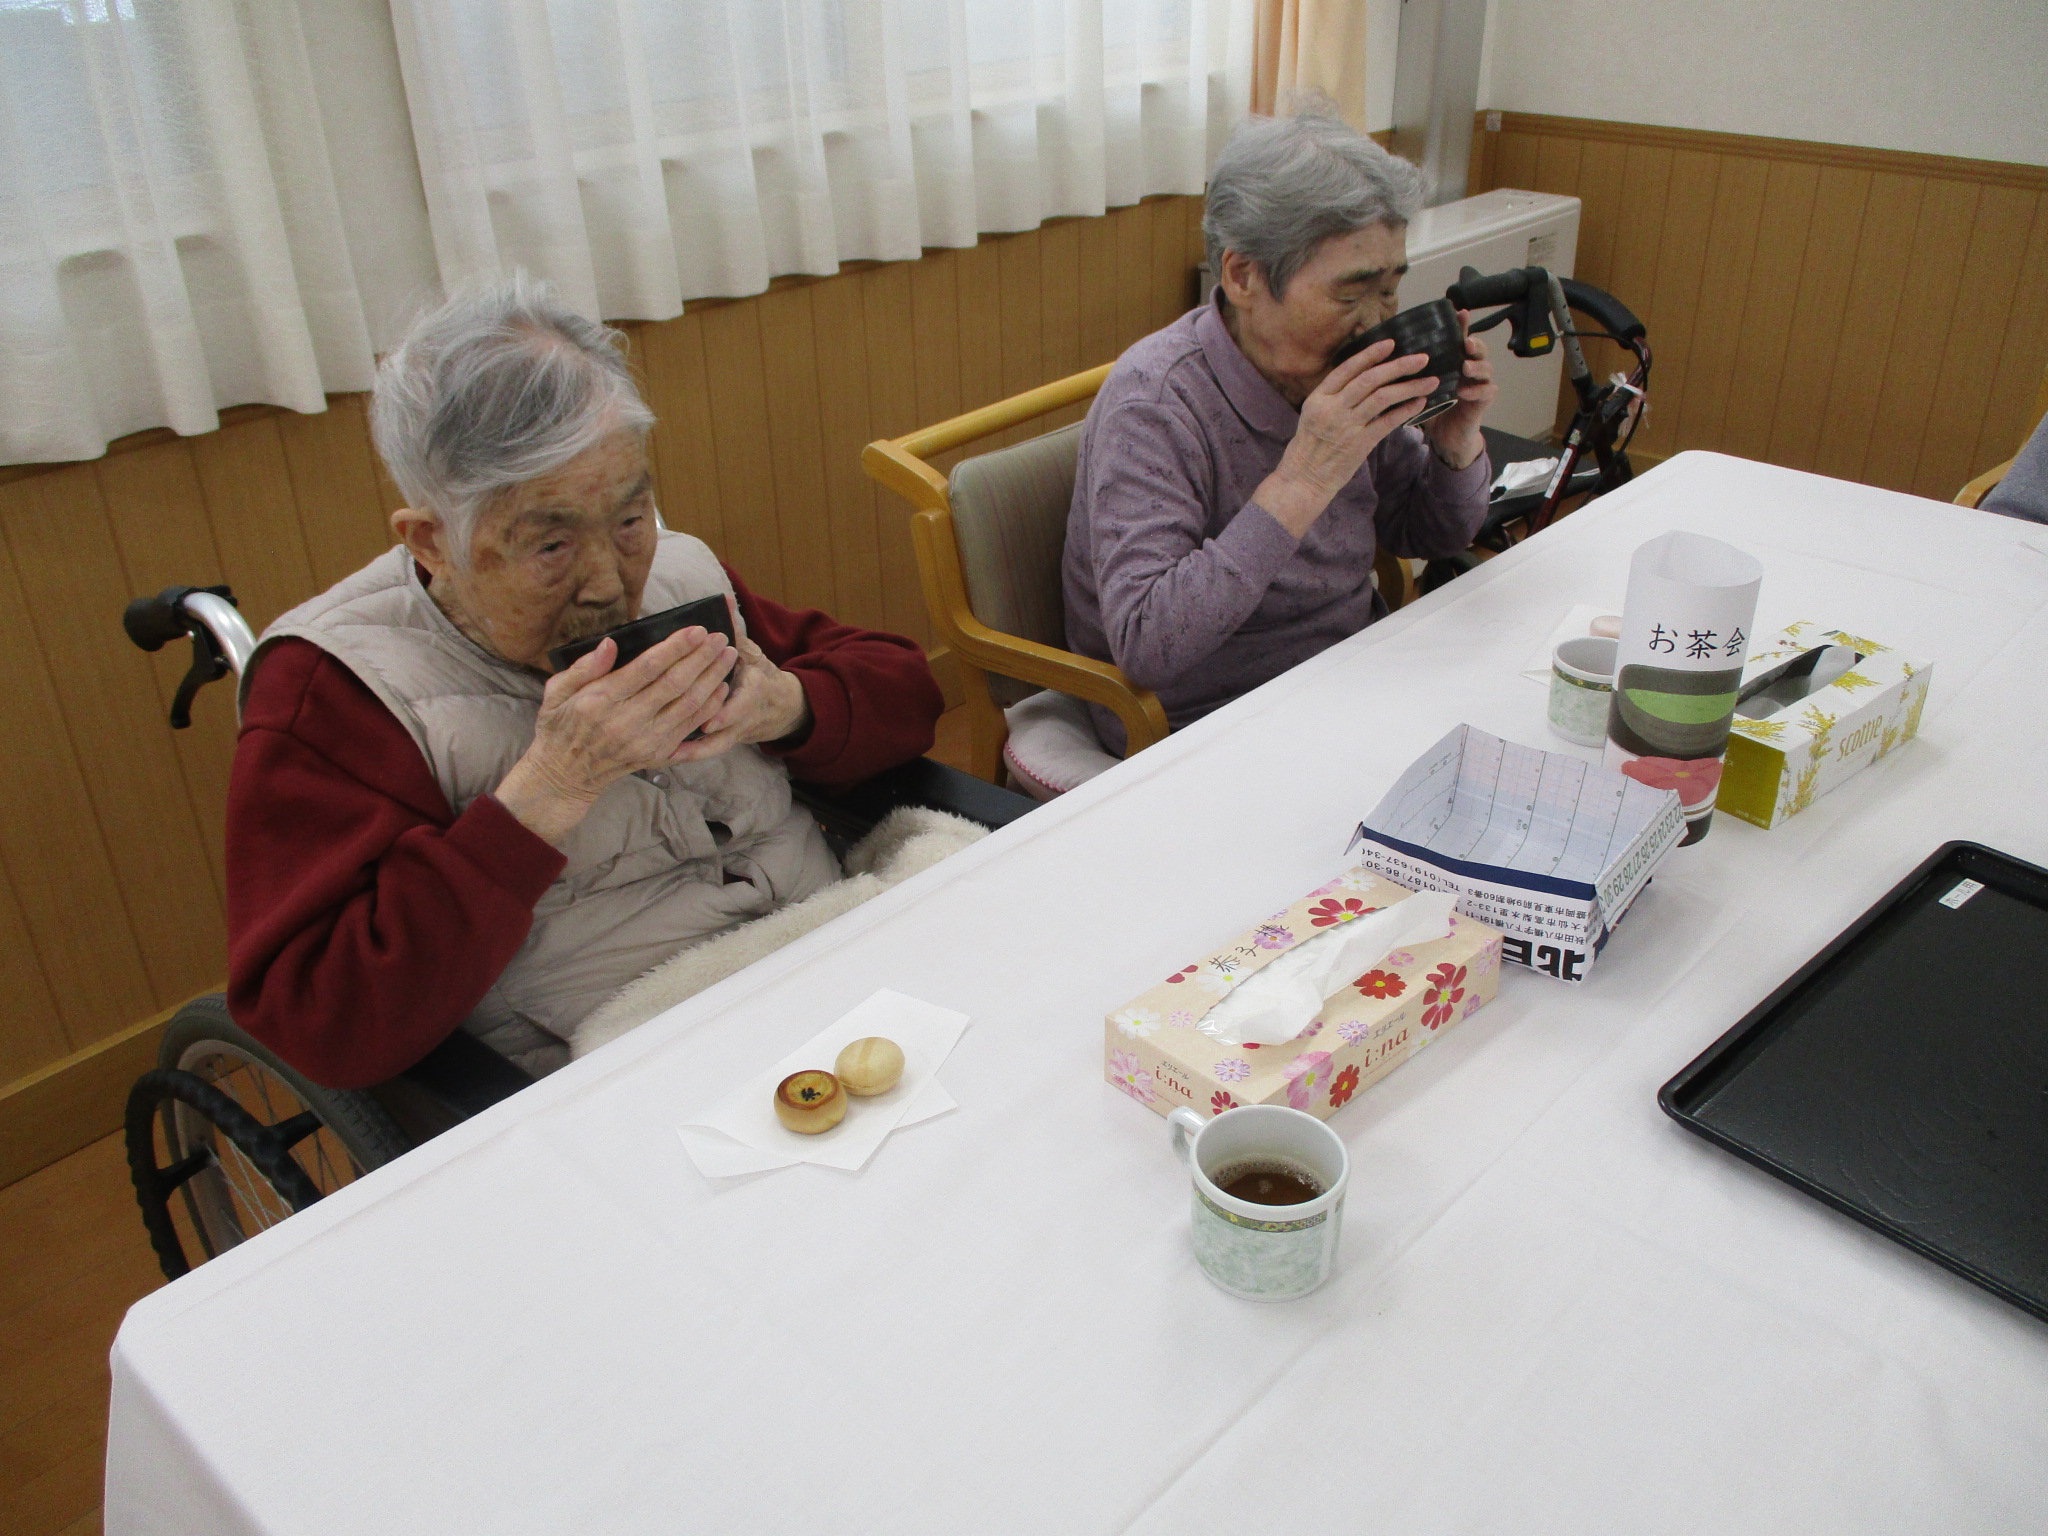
<point x="1968" y="77"/>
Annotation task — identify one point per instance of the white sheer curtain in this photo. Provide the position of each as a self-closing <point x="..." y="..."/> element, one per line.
<point x="170" y="237"/>
<point x="207" y="203"/>
<point x="644" y="152"/>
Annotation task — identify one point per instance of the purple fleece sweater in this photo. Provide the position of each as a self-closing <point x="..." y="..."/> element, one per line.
<point x="1175" y="574"/>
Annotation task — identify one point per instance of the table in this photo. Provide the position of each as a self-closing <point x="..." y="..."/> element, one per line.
<point x="1555" y="1311"/>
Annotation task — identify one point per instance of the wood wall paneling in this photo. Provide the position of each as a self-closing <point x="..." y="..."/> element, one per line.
<point x="1877" y="282"/>
<point x="735" y="378"/>
<point x="1964" y="388"/>
<point x="888" y="325"/>
<point x="935" y="328"/>
<point x="844" y="415"/>
<point x="52" y="844"/>
<point x="1818" y="315"/>
<point x="1096" y="322"/>
<point x="1864" y="313"/>
<point x="2007" y="419"/>
<point x="344" y="503"/>
<point x="246" y="482"/>
<point x="163" y="890"/>
<point x="112" y="887"/>
<point x="1937" y="246"/>
<point x="1755" y="383"/>
<point x="789" y="370"/>
<point x="685" y="436"/>
<point x="1728" y="257"/>
<point x="1020" y="279"/>
<point x="978" y="320"/>
<point x="34" y="1031"/>
<point x="1681" y="263"/>
<point x="1059" y="299"/>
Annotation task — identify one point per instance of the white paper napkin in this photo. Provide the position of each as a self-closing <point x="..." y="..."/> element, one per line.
<point x="740" y="1134"/>
<point x="1570" y="627"/>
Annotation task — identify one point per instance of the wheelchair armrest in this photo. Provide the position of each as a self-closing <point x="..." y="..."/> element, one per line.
<point x="850" y="813"/>
<point x="464" y="1076"/>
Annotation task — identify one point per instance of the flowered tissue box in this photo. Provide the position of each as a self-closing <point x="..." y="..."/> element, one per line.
<point x="1157" y="1055"/>
<point x="1777" y="766"/>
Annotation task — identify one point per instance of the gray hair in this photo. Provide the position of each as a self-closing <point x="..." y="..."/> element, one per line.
<point x="501" y="384"/>
<point x="1284" y="185"/>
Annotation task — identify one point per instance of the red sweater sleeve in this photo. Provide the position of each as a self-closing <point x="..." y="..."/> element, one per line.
<point x="874" y="702"/>
<point x="365" y="919"/>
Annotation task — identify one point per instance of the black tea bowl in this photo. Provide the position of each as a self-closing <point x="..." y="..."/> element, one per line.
<point x="638" y="636"/>
<point x="1431" y="328"/>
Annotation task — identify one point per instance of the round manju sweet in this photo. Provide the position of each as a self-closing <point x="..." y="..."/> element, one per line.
<point x="809" y="1101"/>
<point x="871" y="1066"/>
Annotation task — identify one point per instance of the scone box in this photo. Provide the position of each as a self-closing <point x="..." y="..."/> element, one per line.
<point x="1778" y="766"/>
<point x="1156" y="1054"/>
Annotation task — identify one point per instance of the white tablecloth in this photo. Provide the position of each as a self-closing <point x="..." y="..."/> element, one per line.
<point x="1555" y="1311"/>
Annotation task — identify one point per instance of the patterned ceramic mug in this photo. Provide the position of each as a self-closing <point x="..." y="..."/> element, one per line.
<point x="1263" y="1252"/>
<point x="1581" y="684"/>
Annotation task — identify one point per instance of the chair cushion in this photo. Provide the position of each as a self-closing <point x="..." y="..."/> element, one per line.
<point x="1053" y="747"/>
<point x="1010" y="518"/>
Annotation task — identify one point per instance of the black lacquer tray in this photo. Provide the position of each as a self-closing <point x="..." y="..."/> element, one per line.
<point x="1902" y="1074"/>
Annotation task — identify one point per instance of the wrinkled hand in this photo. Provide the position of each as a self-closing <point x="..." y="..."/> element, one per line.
<point x="596" y="726"/>
<point x="1349" y="414"/>
<point x="766" y="704"/>
<point x="1455" y="434"/>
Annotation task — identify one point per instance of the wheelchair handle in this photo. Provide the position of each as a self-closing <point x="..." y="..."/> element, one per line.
<point x="154" y="622"/>
<point x="216" y="611"/>
<point x="222" y="641"/>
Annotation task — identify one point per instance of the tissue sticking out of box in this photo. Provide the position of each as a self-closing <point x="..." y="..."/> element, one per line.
<point x="1277" y="1003"/>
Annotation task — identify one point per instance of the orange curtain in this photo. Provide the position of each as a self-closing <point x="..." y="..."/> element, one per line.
<point x="1310" y="45"/>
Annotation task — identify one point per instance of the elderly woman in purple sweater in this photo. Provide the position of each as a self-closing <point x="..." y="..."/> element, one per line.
<point x="1232" y="485"/>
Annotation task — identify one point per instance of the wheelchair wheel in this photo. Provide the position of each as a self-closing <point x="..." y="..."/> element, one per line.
<point x="239" y="1137"/>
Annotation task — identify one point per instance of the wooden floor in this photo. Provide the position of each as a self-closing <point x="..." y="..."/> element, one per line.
<point x="73" y="1259"/>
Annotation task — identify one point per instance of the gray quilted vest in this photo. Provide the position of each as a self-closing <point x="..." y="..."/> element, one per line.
<point x="664" y="859"/>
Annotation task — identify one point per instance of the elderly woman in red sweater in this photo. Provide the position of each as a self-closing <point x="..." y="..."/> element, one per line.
<point x="427" y="829"/>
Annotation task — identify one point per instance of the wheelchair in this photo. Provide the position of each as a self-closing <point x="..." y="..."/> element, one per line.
<point x="1538" y="305"/>
<point x="225" y="1138"/>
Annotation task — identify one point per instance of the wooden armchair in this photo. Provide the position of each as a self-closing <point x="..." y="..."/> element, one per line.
<point x="989" y="541"/>
<point x="1029" y="645"/>
<point x="1973" y="493"/>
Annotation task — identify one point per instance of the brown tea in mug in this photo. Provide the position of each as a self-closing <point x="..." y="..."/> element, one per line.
<point x="1267" y="1181"/>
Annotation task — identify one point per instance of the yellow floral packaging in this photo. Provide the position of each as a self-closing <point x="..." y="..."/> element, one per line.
<point x="1793" y="741"/>
<point x="1158" y="1054"/>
